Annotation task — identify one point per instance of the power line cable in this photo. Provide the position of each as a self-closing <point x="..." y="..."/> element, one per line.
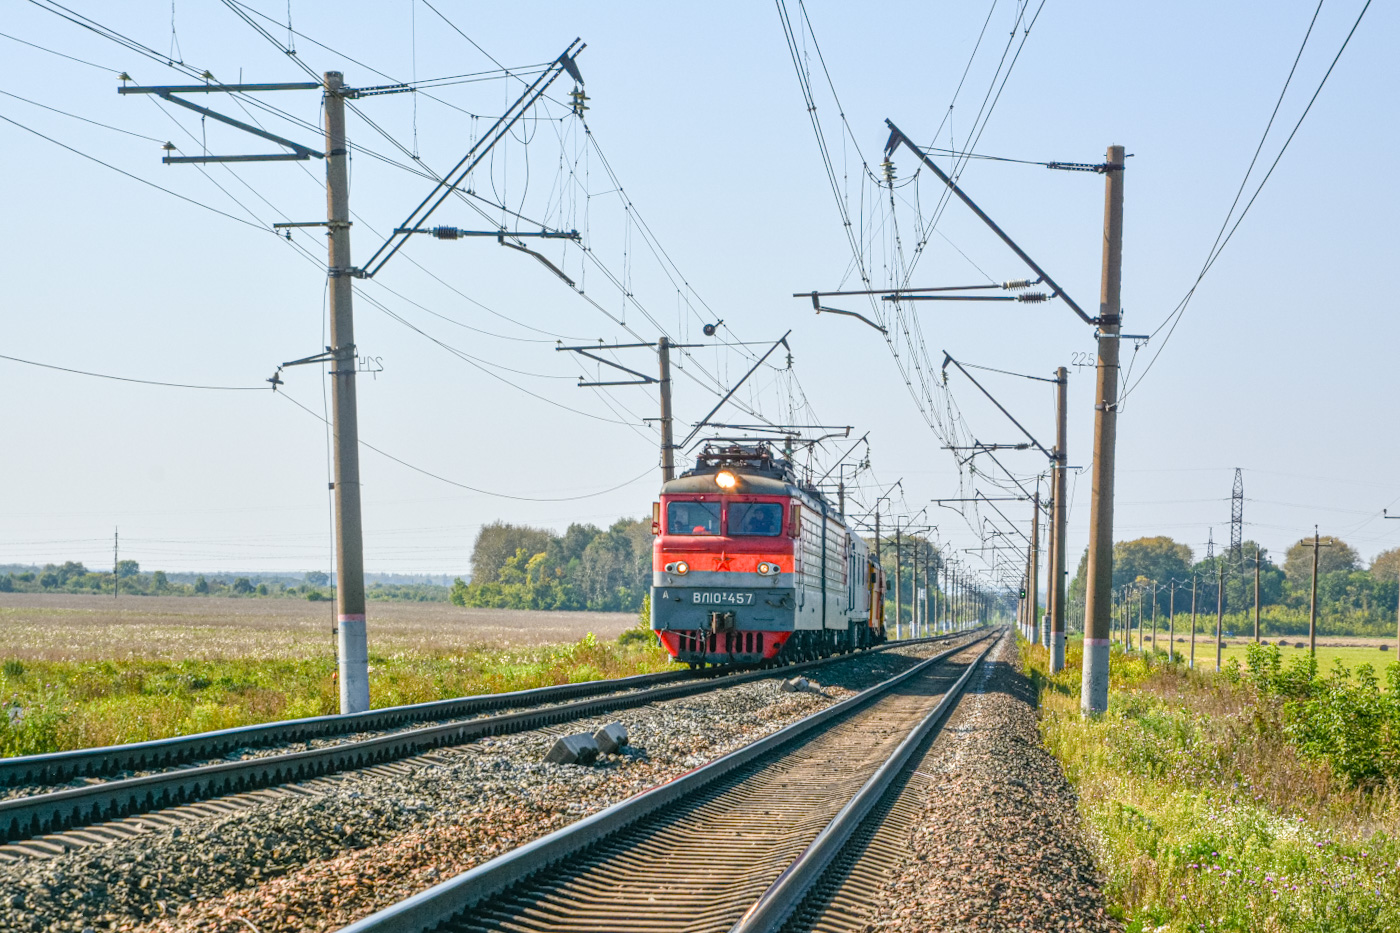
<point x="485" y="492"/>
<point x="143" y="181"/>
<point x="149" y="382"/>
<point x="65" y="113"/>
<point x="1175" y="317"/>
<point x="71" y="58"/>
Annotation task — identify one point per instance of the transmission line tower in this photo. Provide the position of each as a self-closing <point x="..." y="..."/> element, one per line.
<point x="1210" y="545"/>
<point x="1237" y="520"/>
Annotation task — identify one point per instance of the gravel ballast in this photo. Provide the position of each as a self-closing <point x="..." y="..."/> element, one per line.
<point x="998" y="844"/>
<point x="363" y="840"/>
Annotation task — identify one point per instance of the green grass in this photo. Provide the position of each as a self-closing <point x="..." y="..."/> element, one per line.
<point x="1203" y="815"/>
<point x="48" y="706"/>
<point x="1326" y="655"/>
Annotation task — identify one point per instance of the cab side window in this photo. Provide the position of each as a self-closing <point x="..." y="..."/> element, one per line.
<point x="757" y="519"/>
<point x="692" y="518"/>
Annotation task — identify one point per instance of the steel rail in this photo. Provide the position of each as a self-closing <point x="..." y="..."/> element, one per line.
<point x="451" y="899"/>
<point x="29" y="816"/>
<point x="785" y="895"/>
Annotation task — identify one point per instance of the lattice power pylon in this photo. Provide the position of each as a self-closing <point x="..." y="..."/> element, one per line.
<point x="1237" y="520"/>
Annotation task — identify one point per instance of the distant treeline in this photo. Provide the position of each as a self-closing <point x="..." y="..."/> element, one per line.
<point x="585" y="568"/>
<point x="1351" y="599"/>
<point x="74" y="577"/>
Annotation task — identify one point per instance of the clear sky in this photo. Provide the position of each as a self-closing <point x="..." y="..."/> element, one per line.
<point x="1282" y="365"/>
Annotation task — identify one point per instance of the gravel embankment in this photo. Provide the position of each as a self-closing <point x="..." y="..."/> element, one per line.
<point x="998" y="845"/>
<point x="364" y="841"/>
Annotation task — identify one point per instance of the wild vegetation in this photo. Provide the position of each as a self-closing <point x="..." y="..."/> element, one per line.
<point x="50" y="706"/>
<point x="1260" y="798"/>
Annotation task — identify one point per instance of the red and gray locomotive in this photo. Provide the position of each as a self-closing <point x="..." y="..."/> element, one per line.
<point x="751" y="566"/>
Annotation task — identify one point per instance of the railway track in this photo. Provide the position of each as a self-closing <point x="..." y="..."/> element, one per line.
<point x="87" y="763"/>
<point x="47" y="823"/>
<point x="739" y="844"/>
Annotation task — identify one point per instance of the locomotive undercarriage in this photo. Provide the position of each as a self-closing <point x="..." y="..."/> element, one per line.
<point x="699" y="648"/>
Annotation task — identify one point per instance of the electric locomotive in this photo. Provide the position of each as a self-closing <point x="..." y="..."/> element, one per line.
<point x="751" y="566"/>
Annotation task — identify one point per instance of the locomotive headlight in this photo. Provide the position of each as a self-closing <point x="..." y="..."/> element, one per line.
<point x="767" y="569"/>
<point x="679" y="566"/>
<point x="725" y="480"/>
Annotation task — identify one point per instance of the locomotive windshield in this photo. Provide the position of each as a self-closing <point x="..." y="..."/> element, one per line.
<point x="756" y="518"/>
<point x="692" y="518"/>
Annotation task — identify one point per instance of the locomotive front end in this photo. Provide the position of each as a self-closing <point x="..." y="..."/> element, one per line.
<point x="723" y="586"/>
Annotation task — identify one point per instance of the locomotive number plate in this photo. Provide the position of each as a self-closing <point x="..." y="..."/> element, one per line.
<point x="721" y="598"/>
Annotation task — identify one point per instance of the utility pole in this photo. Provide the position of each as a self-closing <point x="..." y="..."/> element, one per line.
<point x="1125" y="637"/>
<point x="1386" y="514"/>
<point x="350" y="595"/>
<point x="1093" y="694"/>
<point x="1139" y="601"/>
<point x="1027" y="616"/>
<point x="1141" y="626"/>
<point x="1127" y="613"/>
<point x="933" y="595"/>
<point x="1154" y="618"/>
<point x="1035" y="566"/>
<point x="1317" y="547"/>
<point x="1059" y="515"/>
<point x="1113" y="618"/>
<point x="1219" y="610"/>
<point x="914" y="627"/>
<point x="957" y="602"/>
<point x="924" y="629"/>
<point x="1133" y="599"/>
<point x="948" y="597"/>
<point x="116" y="565"/>
<point x="663" y="382"/>
<point x="929" y="586"/>
<point x="877" y="534"/>
<point x="668" y="448"/>
<point x="351" y="645"/>
<point x="1171" y="622"/>
<point x="1192" y="662"/>
<point x="898" y="583"/>
<point x="1257" y="552"/>
<point x="1122" y="627"/>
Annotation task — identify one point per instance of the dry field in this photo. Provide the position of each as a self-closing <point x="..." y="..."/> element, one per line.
<point x="62" y="627"/>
